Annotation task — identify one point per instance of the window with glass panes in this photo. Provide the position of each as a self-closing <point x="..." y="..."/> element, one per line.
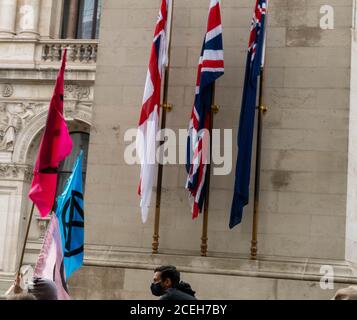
<point x="81" y="19"/>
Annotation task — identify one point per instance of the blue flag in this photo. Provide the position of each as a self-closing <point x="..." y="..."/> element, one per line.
<point x="246" y="125"/>
<point x="70" y="216"/>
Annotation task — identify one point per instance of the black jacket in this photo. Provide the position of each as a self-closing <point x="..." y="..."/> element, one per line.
<point x="182" y="292"/>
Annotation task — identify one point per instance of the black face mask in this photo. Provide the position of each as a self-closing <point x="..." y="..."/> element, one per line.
<point x="156" y="289"/>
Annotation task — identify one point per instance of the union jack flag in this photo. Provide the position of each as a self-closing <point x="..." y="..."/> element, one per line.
<point x="255" y="61"/>
<point x="150" y="112"/>
<point x="210" y="68"/>
<point x="257" y="31"/>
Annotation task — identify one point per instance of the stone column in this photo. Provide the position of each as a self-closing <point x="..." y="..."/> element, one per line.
<point x="72" y="19"/>
<point x="14" y="183"/>
<point x="28" y="18"/>
<point x="7" y="18"/>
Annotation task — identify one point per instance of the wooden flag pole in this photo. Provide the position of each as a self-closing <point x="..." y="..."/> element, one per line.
<point x="204" y="238"/>
<point x="17" y="284"/>
<point x="261" y="110"/>
<point x="166" y="107"/>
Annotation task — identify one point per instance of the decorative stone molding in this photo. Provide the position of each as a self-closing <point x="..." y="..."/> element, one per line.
<point x="28" y="174"/>
<point x="7" y="91"/>
<point x="13" y="118"/>
<point x="78" y="111"/>
<point x="77" y="92"/>
<point x="25" y="120"/>
<point x="73" y="111"/>
<point x="8" y="171"/>
<point x="15" y="172"/>
<point x="79" y="51"/>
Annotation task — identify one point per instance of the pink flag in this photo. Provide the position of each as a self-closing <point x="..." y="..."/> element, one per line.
<point x="56" y="145"/>
<point x="50" y="264"/>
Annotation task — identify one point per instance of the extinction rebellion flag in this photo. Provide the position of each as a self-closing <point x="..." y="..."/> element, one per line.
<point x="63" y="248"/>
<point x="70" y="216"/>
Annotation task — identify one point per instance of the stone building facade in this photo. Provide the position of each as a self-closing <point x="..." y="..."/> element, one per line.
<point x="308" y="211"/>
<point x="31" y="43"/>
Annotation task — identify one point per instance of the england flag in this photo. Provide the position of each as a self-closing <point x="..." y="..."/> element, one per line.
<point x="146" y="143"/>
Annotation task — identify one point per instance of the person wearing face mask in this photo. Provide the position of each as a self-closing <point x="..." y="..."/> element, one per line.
<point x="167" y="285"/>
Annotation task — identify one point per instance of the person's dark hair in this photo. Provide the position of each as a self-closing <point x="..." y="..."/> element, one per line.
<point x="43" y="289"/>
<point x="169" y="272"/>
<point x="22" y="296"/>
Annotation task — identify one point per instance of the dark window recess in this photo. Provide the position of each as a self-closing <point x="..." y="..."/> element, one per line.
<point x="86" y="14"/>
<point x="80" y="142"/>
<point x="65" y="18"/>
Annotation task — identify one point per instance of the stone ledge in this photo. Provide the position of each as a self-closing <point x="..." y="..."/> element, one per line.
<point x="46" y="74"/>
<point x="216" y="263"/>
<point x="44" y="66"/>
<point x="223" y="264"/>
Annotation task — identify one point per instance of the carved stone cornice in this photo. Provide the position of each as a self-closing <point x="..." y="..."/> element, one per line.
<point x="7" y="90"/>
<point x="15" y="172"/>
<point x="15" y="117"/>
<point x="76" y="92"/>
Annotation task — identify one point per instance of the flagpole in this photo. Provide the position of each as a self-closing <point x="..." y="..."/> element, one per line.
<point x="17" y="285"/>
<point x="261" y="111"/>
<point x="166" y="107"/>
<point x="204" y="238"/>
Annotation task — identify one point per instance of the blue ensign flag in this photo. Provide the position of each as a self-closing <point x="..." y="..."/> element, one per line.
<point x="70" y="216"/>
<point x="246" y="124"/>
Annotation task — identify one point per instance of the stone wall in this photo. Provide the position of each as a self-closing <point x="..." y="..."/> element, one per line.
<point x="122" y="275"/>
<point x="305" y="139"/>
<point x="98" y="283"/>
<point x="29" y="63"/>
<point x="351" y="229"/>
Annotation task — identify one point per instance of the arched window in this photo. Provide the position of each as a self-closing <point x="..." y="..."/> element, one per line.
<point x="81" y="19"/>
<point x="80" y="142"/>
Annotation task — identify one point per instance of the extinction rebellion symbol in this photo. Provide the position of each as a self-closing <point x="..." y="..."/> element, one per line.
<point x="70" y="220"/>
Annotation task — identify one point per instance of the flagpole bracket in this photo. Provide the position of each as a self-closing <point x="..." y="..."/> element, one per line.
<point x="215" y="109"/>
<point x="263" y="109"/>
<point x="167" y="106"/>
